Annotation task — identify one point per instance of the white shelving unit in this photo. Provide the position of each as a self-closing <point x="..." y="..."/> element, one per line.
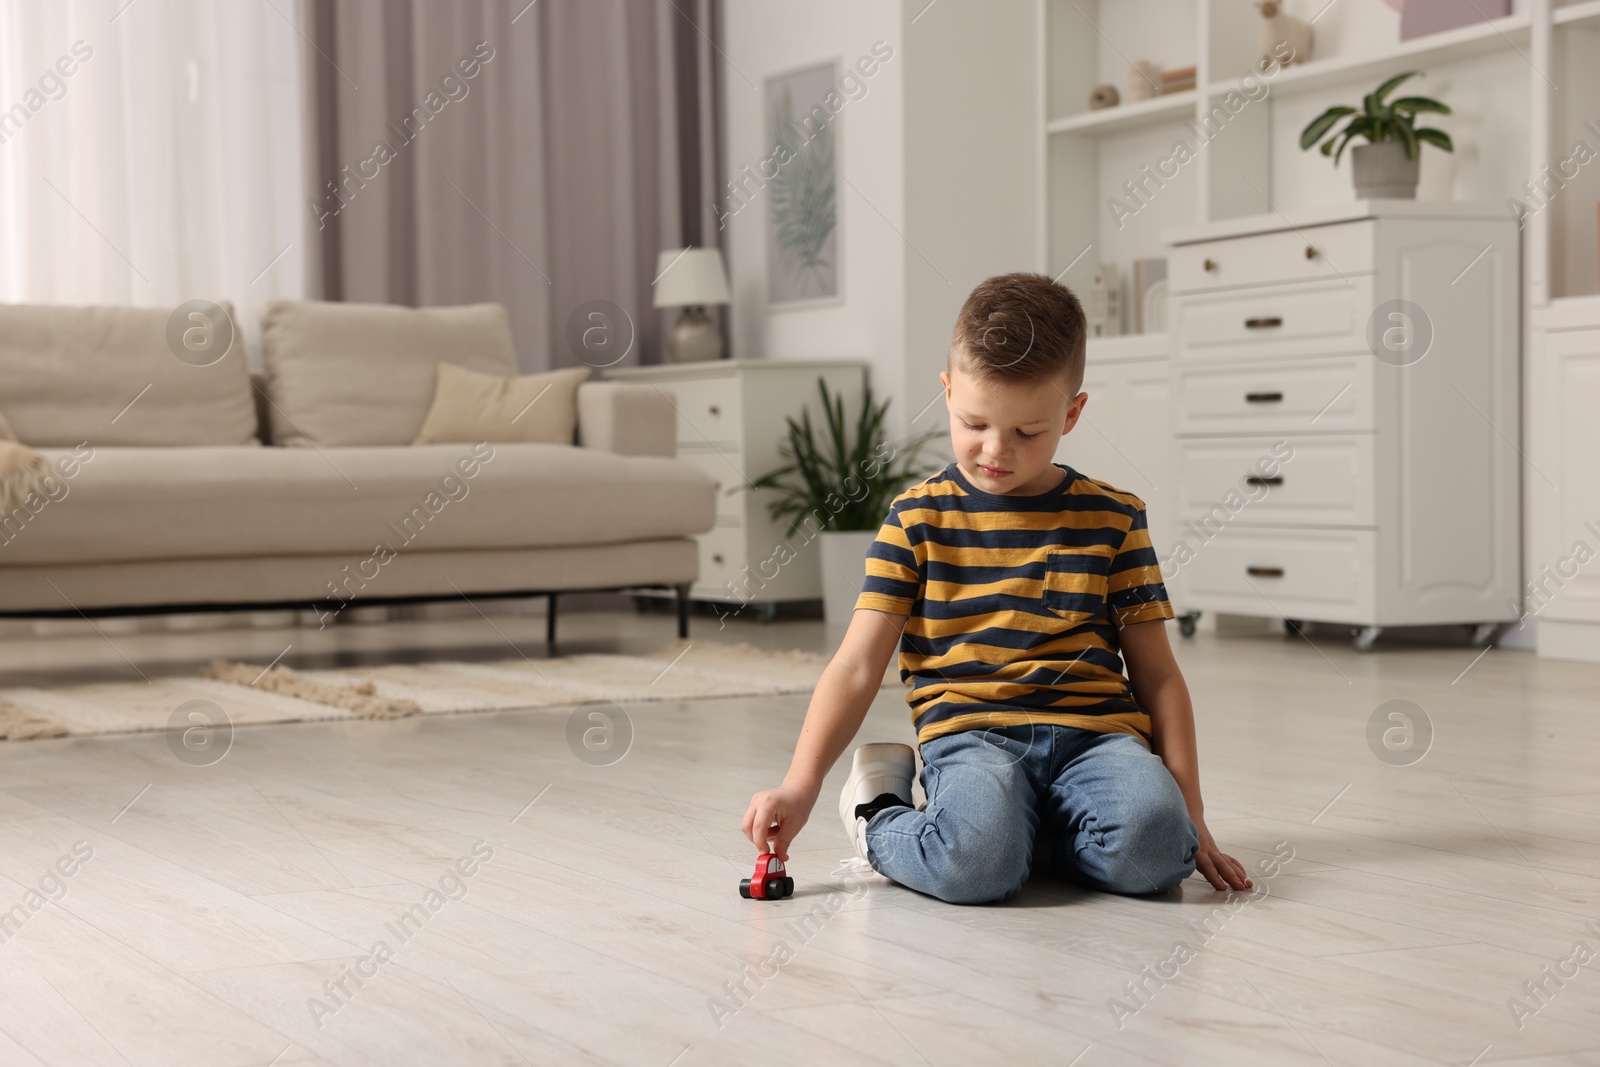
<point x="1125" y="116"/>
<point x="1577" y="13"/>
<point x="1126" y="379"/>
<point x="1246" y="161"/>
<point x="1562" y="593"/>
<point x="1562" y="371"/>
<point x="1483" y="38"/>
<point x="1510" y="123"/>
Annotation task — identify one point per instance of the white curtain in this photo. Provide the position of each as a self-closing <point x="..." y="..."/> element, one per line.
<point x="151" y="152"/>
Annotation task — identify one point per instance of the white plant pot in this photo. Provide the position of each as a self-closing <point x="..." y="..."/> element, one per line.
<point x="844" y="554"/>
<point x="1382" y="171"/>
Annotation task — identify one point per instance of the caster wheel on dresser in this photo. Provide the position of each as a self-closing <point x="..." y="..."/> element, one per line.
<point x="1366" y="637"/>
<point x="1186" y="623"/>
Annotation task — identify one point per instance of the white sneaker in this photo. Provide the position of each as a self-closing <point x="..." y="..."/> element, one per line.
<point x="875" y="770"/>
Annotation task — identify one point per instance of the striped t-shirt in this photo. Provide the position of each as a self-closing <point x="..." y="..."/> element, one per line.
<point x="1011" y="603"/>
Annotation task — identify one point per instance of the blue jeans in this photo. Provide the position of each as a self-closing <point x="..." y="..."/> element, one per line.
<point x="1113" y="818"/>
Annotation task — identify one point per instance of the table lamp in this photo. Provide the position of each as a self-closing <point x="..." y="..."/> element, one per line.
<point x="692" y="278"/>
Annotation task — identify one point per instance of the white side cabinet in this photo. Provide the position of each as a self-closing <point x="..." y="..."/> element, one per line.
<point x="1562" y="590"/>
<point x="730" y="421"/>
<point x="1345" y="408"/>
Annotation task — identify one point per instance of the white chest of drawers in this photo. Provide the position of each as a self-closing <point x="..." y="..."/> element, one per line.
<point x="730" y="422"/>
<point x="1562" y="587"/>
<point x="1379" y="342"/>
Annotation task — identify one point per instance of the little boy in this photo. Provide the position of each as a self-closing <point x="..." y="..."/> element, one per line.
<point x="1016" y="589"/>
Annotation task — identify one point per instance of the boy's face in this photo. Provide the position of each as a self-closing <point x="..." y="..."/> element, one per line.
<point x="1005" y="433"/>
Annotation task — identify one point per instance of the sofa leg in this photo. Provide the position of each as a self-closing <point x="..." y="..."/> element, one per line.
<point x="550" y="624"/>
<point x="682" y="592"/>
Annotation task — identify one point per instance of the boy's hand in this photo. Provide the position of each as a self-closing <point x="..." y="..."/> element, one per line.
<point x="1220" y="869"/>
<point x="777" y="815"/>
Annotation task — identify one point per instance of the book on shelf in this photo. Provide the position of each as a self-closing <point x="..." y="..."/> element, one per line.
<point x="1177" y="80"/>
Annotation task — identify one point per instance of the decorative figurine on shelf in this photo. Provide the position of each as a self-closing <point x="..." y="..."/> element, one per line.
<point x="769" y="882"/>
<point x="1105" y="302"/>
<point x="1278" y="27"/>
<point x="1103" y="96"/>
<point x="1142" y="83"/>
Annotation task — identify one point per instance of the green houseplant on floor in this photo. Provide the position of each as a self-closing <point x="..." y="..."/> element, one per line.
<point x="1386" y="166"/>
<point x="835" y="487"/>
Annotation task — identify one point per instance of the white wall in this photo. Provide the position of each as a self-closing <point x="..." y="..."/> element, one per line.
<point x="971" y="139"/>
<point x="765" y="37"/>
<point x="937" y="178"/>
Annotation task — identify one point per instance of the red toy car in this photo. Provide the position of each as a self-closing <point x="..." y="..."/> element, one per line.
<point x="769" y="882"/>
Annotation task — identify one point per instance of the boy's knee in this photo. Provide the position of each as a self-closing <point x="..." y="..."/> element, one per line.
<point x="1124" y="873"/>
<point x="1152" y="851"/>
<point x="981" y="876"/>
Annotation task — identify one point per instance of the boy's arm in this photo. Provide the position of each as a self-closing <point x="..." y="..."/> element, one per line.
<point x="1159" y="688"/>
<point x="838" y="705"/>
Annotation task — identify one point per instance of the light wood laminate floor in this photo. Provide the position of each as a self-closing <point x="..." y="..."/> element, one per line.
<point x="219" y="905"/>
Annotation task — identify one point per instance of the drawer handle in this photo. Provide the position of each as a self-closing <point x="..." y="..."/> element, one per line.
<point x="716" y="557"/>
<point x="714" y="409"/>
<point x="1256" y="479"/>
<point x="1263" y="398"/>
<point x="1311" y="253"/>
<point x="1264" y="572"/>
<point x="1210" y="265"/>
<point x="1263" y="324"/>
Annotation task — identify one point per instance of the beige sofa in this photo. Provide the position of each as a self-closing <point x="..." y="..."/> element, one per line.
<point x="168" y="497"/>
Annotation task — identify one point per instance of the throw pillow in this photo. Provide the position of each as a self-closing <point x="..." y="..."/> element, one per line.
<point x="470" y="407"/>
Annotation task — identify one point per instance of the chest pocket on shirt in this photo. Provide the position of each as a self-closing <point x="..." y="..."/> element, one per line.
<point x="1075" y="582"/>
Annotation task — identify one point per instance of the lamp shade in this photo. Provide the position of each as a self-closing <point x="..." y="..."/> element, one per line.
<point x="690" y="276"/>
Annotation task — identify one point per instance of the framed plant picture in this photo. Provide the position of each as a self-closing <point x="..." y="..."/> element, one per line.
<point x="802" y="203"/>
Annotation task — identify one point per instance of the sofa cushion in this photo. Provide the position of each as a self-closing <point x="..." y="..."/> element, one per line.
<point x="532" y="408"/>
<point x="184" y="503"/>
<point x="362" y="374"/>
<point x="107" y="376"/>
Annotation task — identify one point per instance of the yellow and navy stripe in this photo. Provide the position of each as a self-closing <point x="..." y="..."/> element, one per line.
<point x="1014" y="603"/>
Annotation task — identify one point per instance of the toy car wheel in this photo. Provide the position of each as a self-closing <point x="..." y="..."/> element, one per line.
<point x="784" y="887"/>
<point x="744" y="888"/>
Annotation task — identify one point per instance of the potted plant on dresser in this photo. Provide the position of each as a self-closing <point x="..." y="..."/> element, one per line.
<point x="1388" y="165"/>
<point x="836" y="488"/>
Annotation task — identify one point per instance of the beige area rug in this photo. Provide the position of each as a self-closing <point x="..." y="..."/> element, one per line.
<point x="250" y="695"/>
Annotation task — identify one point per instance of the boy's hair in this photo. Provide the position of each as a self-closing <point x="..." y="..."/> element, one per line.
<point x="1020" y="328"/>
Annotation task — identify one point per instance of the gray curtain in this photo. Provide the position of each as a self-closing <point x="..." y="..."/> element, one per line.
<point x="538" y="155"/>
